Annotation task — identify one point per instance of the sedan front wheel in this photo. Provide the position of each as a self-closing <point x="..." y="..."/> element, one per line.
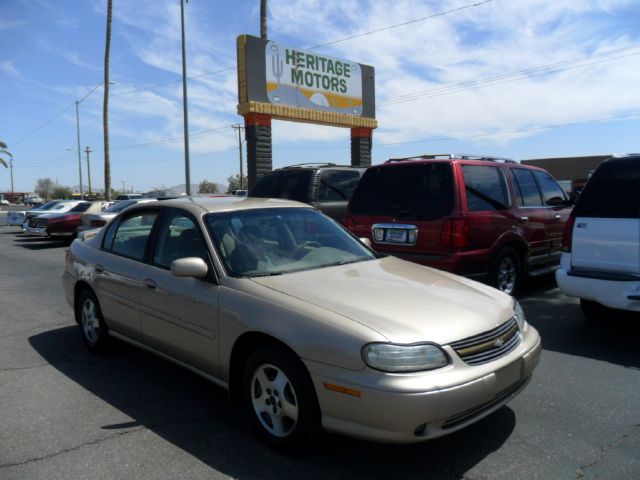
<point x="280" y="398"/>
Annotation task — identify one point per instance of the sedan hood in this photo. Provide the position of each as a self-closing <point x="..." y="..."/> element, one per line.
<point x="402" y="301"/>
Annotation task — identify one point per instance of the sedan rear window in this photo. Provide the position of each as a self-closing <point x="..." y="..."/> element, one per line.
<point x="612" y="191"/>
<point x="422" y="191"/>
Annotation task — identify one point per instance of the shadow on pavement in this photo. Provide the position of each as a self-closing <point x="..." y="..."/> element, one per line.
<point x="40" y="243"/>
<point x="196" y="417"/>
<point x="611" y="338"/>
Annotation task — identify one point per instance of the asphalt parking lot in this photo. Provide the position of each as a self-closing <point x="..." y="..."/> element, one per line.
<point x="68" y="414"/>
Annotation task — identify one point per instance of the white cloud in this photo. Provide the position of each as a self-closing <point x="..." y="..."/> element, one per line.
<point x="7" y="66"/>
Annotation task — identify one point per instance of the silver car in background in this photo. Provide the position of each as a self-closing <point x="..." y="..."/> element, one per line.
<point x="95" y="220"/>
<point x="305" y="325"/>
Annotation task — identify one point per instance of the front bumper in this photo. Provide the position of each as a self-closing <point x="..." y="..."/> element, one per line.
<point x="399" y="408"/>
<point x="37" y="231"/>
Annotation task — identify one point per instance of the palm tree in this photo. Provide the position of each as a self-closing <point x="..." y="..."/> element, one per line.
<point x="105" y="107"/>
<point x="4" y="151"/>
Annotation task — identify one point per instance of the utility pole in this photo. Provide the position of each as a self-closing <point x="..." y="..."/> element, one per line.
<point x="78" y="132"/>
<point x="239" y="128"/>
<point x="263" y="19"/>
<point x="187" y="172"/>
<point x="88" y="151"/>
<point x="11" y="168"/>
<point x="123" y="190"/>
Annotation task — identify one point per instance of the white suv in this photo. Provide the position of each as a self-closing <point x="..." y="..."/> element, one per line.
<point x="601" y="246"/>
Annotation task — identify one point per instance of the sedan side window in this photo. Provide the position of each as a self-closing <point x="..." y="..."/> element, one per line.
<point x="132" y="233"/>
<point x="179" y="237"/>
<point x="552" y="192"/>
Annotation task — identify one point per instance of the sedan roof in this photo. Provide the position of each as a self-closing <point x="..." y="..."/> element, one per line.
<point x="228" y="203"/>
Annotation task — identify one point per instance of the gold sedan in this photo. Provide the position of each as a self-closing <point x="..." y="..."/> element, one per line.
<point x="302" y="323"/>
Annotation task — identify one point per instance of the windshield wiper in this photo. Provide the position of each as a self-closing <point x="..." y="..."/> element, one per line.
<point x="265" y="274"/>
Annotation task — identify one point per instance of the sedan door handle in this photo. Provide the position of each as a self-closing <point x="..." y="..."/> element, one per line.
<point x="150" y="284"/>
<point x="99" y="268"/>
<point x="524" y="219"/>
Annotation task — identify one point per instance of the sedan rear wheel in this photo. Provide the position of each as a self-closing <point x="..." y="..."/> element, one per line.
<point x="93" y="330"/>
<point x="280" y="398"/>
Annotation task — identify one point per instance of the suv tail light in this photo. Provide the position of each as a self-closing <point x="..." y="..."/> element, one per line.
<point x="567" y="234"/>
<point x="97" y="223"/>
<point x="348" y="222"/>
<point x="455" y="233"/>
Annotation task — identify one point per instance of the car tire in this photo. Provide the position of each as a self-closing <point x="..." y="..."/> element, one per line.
<point x="93" y="330"/>
<point x="590" y="309"/>
<point x="506" y="271"/>
<point x="280" y="399"/>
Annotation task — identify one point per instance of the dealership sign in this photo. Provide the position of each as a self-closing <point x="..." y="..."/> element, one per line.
<point x="293" y="84"/>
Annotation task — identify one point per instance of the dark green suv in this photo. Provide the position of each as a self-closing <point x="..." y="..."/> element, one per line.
<point x="326" y="186"/>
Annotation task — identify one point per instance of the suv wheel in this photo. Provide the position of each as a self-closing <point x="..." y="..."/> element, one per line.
<point x="280" y="398"/>
<point x="506" y="271"/>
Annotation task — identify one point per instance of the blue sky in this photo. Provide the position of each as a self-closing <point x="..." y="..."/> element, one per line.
<point x="445" y="84"/>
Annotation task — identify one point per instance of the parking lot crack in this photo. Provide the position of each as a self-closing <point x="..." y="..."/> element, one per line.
<point x="104" y="439"/>
<point x="580" y="471"/>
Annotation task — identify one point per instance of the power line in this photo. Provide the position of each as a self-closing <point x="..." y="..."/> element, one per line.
<point x="477" y="135"/>
<point x="397" y="25"/>
<point x="44" y="124"/>
<point x="509" y="77"/>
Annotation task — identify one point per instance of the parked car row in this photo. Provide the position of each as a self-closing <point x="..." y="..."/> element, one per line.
<point x="67" y="218"/>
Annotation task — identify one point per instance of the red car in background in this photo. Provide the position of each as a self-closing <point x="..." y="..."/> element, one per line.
<point x="62" y="224"/>
<point x="477" y="216"/>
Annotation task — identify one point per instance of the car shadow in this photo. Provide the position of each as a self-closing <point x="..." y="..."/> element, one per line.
<point x="195" y="416"/>
<point x="40" y="243"/>
<point x="564" y="328"/>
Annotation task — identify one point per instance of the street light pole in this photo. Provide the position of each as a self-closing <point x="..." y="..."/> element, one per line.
<point x="88" y="151"/>
<point x="78" y="102"/>
<point x="11" y="168"/>
<point x="79" y="153"/>
<point x="187" y="172"/>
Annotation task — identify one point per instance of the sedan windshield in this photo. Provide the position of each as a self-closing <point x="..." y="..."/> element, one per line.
<point x="274" y="241"/>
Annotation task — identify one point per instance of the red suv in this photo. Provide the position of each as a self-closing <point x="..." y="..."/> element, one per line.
<point x="477" y="216"/>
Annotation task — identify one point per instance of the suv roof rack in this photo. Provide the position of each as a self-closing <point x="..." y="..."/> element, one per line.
<point x="311" y="164"/>
<point x="462" y="156"/>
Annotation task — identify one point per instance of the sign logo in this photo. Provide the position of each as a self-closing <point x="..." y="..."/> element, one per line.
<point x="303" y="79"/>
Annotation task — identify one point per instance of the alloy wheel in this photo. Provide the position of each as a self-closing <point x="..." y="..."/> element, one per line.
<point x="274" y="400"/>
<point x="90" y="321"/>
<point x="507" y="271"/>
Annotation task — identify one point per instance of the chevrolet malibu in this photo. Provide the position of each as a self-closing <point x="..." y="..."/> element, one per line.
<point x="304" y="324"/>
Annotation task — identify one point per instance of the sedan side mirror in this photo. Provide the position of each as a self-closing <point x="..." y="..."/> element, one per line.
<point x="189" y="267"/>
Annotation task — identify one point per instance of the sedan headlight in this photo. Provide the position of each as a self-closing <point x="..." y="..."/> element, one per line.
<point x="521" y="320"/>
<point x="403" y="358"/>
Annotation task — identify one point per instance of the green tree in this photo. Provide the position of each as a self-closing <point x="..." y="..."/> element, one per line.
<point x="4" y="151"/>
<point x="206" y="186"/>
<point x="44" y="187"/>
<point x="61" y="193"/>
<point x="234" y="183"/>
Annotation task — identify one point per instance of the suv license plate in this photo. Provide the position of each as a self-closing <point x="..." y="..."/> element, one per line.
<point x="396" y="236"/>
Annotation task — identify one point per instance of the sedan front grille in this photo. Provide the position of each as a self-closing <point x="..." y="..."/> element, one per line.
<point x="490" y="345"/>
